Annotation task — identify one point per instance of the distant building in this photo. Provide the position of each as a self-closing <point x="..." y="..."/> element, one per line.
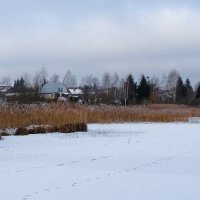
<point x="4" y="89"/>
<point x="53" y="90"/>
<point x="58" y="90"/>
<point x="75" y="92"/>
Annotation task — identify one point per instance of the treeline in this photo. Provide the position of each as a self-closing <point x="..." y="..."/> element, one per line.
<point x="149" y="90"/>
<point x="111" y="89"/>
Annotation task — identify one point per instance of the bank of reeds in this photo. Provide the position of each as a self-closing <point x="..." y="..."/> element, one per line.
<point x="42" y="118"/>
<point x="59" y="117"/>
<point x="148" y="113"/>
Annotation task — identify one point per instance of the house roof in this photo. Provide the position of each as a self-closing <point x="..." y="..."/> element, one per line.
<point x="4" y="88"/>
<point x="75" y="91"/>
<point x="53" y="88"/>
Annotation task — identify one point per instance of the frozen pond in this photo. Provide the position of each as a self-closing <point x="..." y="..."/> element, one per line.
<point x="139" y="161"/>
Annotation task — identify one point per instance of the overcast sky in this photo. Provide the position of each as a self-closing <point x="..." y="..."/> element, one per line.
<point x="97" y="36"/>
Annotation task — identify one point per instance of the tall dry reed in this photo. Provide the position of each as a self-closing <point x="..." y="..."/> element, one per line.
<point x="13" y="116"/>
<point x="149" y="113"/>
<point x="59" y="114"/>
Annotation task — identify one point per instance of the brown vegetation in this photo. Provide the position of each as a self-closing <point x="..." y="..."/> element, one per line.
<point x="32" y="119"/>
<point x="148" y="113"/>
<point x="65" y="118"/>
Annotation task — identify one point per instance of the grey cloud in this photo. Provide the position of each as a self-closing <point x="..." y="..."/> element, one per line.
<point x="97" y="36"/>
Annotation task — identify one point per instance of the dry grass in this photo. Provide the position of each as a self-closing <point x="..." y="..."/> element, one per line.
<point x="149" y="113"/>
<point x="52" y="114"/>
<point x="57" y="116"/>
<point x="33" y="119"/>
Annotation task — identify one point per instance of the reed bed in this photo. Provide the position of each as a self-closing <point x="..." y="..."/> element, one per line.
<point x="60" y="117"/>
<point x="149" y="113"/>
<point x="43" y="118"/>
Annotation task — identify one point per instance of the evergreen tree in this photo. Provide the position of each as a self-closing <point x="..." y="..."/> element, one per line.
<point x="181" y="92"/>
<point x="189" y="91"/>
<point x="143" y="90"/>
<point x="19" y="86"/>
<point x="131" y="90"/>
<point x="86" y="94"/>
<point x="197" y="95"/>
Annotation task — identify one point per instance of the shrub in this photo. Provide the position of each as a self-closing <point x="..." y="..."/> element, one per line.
<point x="21" y="131"/>
<point x="69" y="128"/>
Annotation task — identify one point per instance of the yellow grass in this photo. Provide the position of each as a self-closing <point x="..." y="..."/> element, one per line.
<point x="58" y="114"/>
<point x="149" y="113"/>
<point x="14" y="116"/>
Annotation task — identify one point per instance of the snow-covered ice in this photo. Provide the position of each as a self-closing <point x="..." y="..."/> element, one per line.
<point x="142" y="161"/>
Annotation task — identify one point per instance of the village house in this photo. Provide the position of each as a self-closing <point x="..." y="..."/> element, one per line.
<point x="58" y="90"/>
<point x="4" y="91"/>
<point x="53" y="90"/>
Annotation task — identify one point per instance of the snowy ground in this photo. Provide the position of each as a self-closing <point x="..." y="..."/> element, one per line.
<point x="110" y="162"/>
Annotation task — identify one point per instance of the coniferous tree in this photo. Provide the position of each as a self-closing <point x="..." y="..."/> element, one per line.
<point x="197" y="95"/>
<point x="86" y="94"/>
<point x="196" y="100"/>
<point x="189" y="91"/>
<point x="19" y="85"/>
<point x="143" y="90"/>
<point x="181" y="92"/>
<point x="131" y="90"/>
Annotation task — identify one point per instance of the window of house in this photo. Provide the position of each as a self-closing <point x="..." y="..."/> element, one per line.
<point x="60" y="89"/>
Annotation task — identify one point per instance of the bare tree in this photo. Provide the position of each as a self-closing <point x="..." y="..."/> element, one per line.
<point x="87" y="80"/>
<point x="27" y="79"/>
<point x="40" y="78"/>
<point x="69" y="80"/>
<point x="73" y="81"/>
<point x="90" y="81"/>
<point x="54" y="78"/>
<point x="171" y="83"/>
<point x="163" y="82"/>
<point x="155" y="89"/>
<point x="115" y="80"/>
<point x="5" y="81"/>
<point x="106" y="81"/>
<point x="95" y="82"/>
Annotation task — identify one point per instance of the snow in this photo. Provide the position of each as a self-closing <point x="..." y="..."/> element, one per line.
<point x="140" y="161"/>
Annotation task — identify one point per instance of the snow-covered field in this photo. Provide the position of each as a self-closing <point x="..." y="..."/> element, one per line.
<point x="111" y="162"/>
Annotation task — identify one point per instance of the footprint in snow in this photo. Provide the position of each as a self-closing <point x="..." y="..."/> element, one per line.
<point x="109" y="175"/>
<point x="47" y="190"/>
<point x="18" y="171"/>
<point x="104" y="157"/>
<point x="59" y="165"/>
<point x="74" y="184"/>
<point x="75" y="162"/>
<point x="26" y="197"/>
<point x="59" y="188"/>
